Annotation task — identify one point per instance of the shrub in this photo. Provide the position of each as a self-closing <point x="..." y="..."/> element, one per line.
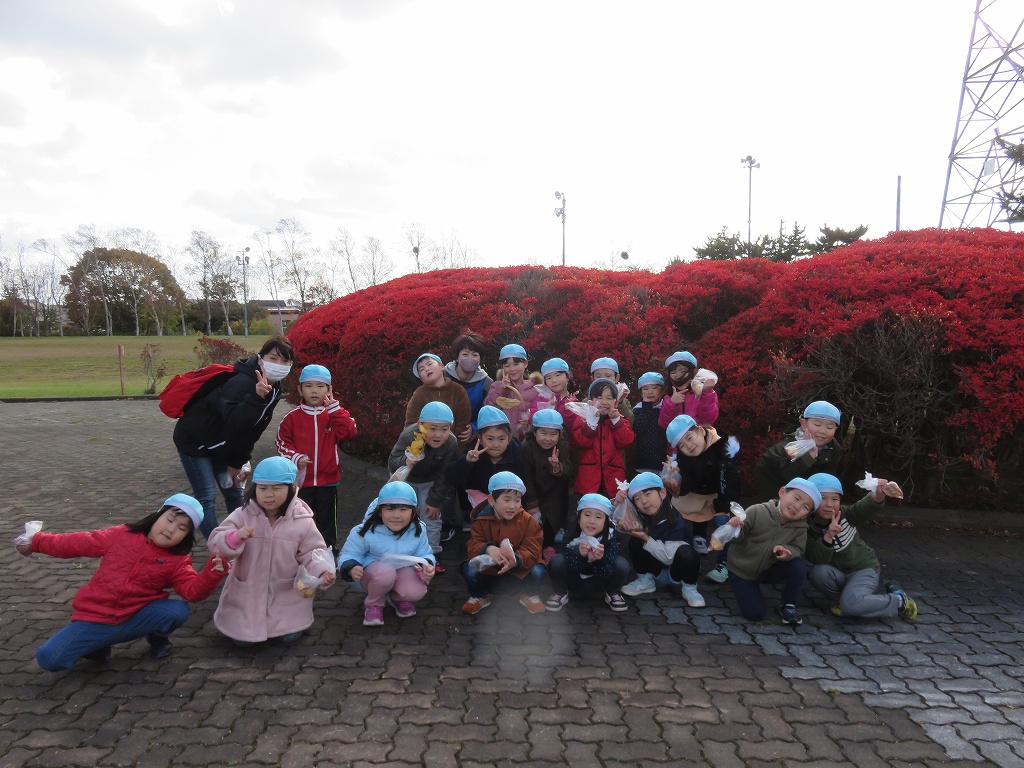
<point x="223" y="351"/>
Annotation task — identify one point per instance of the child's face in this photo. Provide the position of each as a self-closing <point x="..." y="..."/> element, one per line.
<point x="830" y="504"/>
<point x="314" y="392"/>
<point x="648" y="501"/>
<point x="506" y="505"/>
<point x="794" y="505"/>
<point x="395" y="516"/>
<point x="430" y="371"/>
<point x="592" y="521"/>
<point x="170" y="529"/>
<point x="652" y="393"/>
<point x="547" y="438"/>
<point x="604" y="373"/>
<point x="271" y="496"/>
<point x="494" y="441"/>
<point x="821" y="431"/>
<point x="437" y="434"/>
<point x="679" y="374"/>
<point x="605" y="401"/>
<point x="557" y="381"/>
<point x="514" y="368"/>
<point x="692" y="442"/>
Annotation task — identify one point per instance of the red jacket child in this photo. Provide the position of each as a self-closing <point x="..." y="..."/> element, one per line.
<point x="314" y="434"/>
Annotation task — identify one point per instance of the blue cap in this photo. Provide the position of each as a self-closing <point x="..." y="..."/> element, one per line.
<point x="548" y="418"/>
<point x="678" y="427"/>
<point x="505" y="481"/>
<point x="604" y="362"/>
<point x="820" y="409"/>
<point x="490" y="416"/>
<point x="680" y="357"/>
<point x="397" y="493"/>
<point x="554" y="364"/>
<point x="276" y="469"/>
<point x="315" y="373"/>
<point x="188" y="505"/>
<point x="643" y="482"/>
<point x="826" y="483"/>
<point x="595" y="501"/>
<point x="651" y="377"/>
<point x="432" y="356"/>
<point x="595" y="382"/>
<point x="799" y="484"/>
<point x="437" y="412"/>
<point x="512" y="350"/>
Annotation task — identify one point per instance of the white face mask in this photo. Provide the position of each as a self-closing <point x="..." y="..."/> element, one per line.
<point x="276" y="371"/>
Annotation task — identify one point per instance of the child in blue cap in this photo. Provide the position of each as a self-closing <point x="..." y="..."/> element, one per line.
<point x="649" y="436"/>
<point x="513" y="391"/>
<point x="494" y="450"/>
<point x="608" y="368"/>
<point x="689" y="393"/>
<point x="819" y="422"/>
<point x="769" y="550"/>
<point x="309" y="437"/>
<point x="549" y="470"/>
<point x="125" y="598"/>
<point x="435" y="386"/>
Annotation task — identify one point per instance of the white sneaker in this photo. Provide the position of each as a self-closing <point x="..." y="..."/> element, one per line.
<point x="719" y="573"/>
<point x="643" y="584"/>
<point x="700" y="545"/>
<point x="693" y="598"/>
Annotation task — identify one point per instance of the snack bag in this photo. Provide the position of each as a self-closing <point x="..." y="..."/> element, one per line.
<point x="670" y="475"/>
<point x="590" y="540"/>
<point x="798" y="448"/>
<point x="726" y="533"/>
<point x="890" y="489"/>
<point x="703" y="379"/>
<point x="400" y="475"/>
<point x="545" y="398"/>
<point x="401" y="561"/>
<point x="31" y="529"/>
<point x="624" y="515"/>
<point x="623" y="391"/>
<point x="486" y="561"/>
<point x="585" y="411"/>
<point x="306" y="583"/>
<point x="415" y="449"/>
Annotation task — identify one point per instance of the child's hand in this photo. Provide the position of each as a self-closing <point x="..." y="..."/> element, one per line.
<point x="781" y="552"/>
<point x="464" y="435"/>
<point x="425" y="572"/>
<point x="303" y="462"/>
<point x="433" y="513"/>
<point x="328" y="577"/>
<point x="356" y="573"/>
<point x="678" y="395"/>
<point x="499" y="558"/>
<point x="23" y="546"/>
<point x="263" y="385"/>
<point x="473" y="454"/>
<point x="218" y="564"/>
<point x="556" y="467"/>
<point x="638" y="534"/>
<point x="834" y="527"/>
<point x="596" y="553"/>
<point x="878" y="495"/>
<point x="329" y="399"/>
<point x="584" y="549"/>
<point x="245" y="532"/>
<point x="620" y="496"/>
<point x="735" y="522"/>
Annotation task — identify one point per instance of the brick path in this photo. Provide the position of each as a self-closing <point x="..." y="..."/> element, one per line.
<point x="659" y="685"/>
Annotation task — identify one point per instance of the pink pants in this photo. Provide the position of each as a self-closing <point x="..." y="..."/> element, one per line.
<point x="380" y="579"/>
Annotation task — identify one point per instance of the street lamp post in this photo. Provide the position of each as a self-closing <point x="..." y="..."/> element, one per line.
<point x="751" y="164"/>
<point x="243" y="261"/>
<point x="560" y="212"/>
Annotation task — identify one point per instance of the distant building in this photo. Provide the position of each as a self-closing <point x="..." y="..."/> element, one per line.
<point x="282" y="313"/>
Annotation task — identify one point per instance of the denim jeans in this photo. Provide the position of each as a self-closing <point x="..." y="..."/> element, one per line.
<point x="790" y="573"/>
<point x="79" y="638"/>
<point x="202" y="472"/>
<point x="482" y="584"/>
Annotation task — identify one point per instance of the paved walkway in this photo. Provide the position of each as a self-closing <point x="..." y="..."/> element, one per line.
<point x="659" y="685"/>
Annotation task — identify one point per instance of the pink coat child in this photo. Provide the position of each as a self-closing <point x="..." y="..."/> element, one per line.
<point x="692" y="391"/>
<point x="512" y="391"/>
<point x="268" y="538"/>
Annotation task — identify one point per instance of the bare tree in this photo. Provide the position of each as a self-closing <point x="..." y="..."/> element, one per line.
<point x="179" y="297"/>
<point x="205" y="252"/>
<point x="295" y="250"/>
<point x="420" y="247"/>
<point x="450" y="252"/>
<point x="270" y="263"/>
<point x="343" y="250"/>
<point x="377" y="266"/>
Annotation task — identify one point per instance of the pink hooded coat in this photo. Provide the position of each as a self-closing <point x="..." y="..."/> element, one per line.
<point x="259" y="600"/>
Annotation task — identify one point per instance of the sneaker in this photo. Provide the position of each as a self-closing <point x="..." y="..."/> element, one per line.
<point x="693" y="598"/>
<point x="719" y="574"/>
<point x="893" y="587"/>
<point x="616" y="602"/>
<point x="102" y="656"/>
<point x="908" y="607"/>
<point x="447" y="532"/>
<point x="439" y="569"/>
<point x="403" y="608"/>
<point x="836" y="610"/>
<point x="531" y="603"/>
<point x="790" y="615"/>
<point x="474" y="605"/>
<point x="159" y="646"/>
<point x="556" y="602"/>
<point x="700" y="545"/>
<point x="643" y="584"/>
<point x="373" y="616"/>
<point x="547" y="554"/>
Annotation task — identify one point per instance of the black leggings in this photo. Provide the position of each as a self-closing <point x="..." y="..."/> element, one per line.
<point x="685" y="565"/>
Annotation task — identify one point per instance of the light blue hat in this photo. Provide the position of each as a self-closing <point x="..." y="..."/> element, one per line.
<point x="554" y="364"/>
<point x="432" y="356"/>
<point x="595" y="382"/>
<point x="680" y="357"/>
<point x="651" y="377"/>
<point x="512" y="350"/>
<point x="397" y="493"/>
<point x="548" y="418"/>
<point x="188" y="505"/>
<point x="276" y="469"/>
<point x="437" y="412"/>
<point x="315" y="373"/>
<point x="799" y="484"/>
<point x="490" y="416"/>
<point x="505" y="481"/>
<point x="820" y="409"/>
<point x="604" y="362"/>
<point x="595" y="501"/>
<point x="826" y="483"/>
<point x="678" y="427"/>
<point x="643" y="482"/>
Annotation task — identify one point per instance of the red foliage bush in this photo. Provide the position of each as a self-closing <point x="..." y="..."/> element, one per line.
<point x="917" y="336"/>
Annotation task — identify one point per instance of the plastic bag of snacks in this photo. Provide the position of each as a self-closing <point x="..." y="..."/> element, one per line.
<point x="725" y="533"/>
<point x="890" y="489"/>
<point x="624" y="515"/>
<point x="486" y="561"/>
<point x="31" y="529"/>
<point x="703" y="379"/>
<point x="590" y="541"/>
<point x="306" y="583"/>
<point x="798" y="448"/>
<point x="545" y="398"/>
<point x="585" y="411"/>
<point x="670" y="475"/>
<point x="402" y="561"/>
<point x="401" y="474"/>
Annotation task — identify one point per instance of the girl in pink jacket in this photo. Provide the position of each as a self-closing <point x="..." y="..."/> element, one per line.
<point x="699" y="402"/>
<point x="268" y="538"/>
<point x="513" y="391"/>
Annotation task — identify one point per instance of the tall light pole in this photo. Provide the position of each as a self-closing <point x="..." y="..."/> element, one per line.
<point x="243" y="261"/>
<point x="560" y="212"/>
<point x="751" y="164"/>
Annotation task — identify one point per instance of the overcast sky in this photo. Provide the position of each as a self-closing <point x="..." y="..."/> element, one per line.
<point x="174" y="115"/>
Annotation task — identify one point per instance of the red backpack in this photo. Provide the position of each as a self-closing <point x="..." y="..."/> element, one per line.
<point x="185" y="388"/>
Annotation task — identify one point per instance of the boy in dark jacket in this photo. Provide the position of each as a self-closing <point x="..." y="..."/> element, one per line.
<point x="649" y="437"/>
<point x="549" y="472"/>
<point x="820" y="422"/>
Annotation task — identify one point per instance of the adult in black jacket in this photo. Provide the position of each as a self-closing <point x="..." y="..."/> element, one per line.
<point x="216" y="434"/>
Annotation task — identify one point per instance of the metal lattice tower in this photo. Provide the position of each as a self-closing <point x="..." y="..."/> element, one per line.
<point x="991" y="108"/>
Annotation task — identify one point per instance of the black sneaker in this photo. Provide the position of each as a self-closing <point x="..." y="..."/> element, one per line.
<point x="790" y="615"/>
<point x="447" y="532"/>
<point x="159" y="646"/>
<point x="893" y="587"/>
<point x="102" y="656"/>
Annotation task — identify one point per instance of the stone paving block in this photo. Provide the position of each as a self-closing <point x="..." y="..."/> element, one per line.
<point x="948" y="738"/>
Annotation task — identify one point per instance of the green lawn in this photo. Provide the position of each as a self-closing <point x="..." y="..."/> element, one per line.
<point x="87" y="366"/>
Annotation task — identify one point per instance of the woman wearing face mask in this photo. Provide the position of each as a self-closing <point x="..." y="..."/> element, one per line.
<point x="216" y="435"/>
<point x="466" y="369"/>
